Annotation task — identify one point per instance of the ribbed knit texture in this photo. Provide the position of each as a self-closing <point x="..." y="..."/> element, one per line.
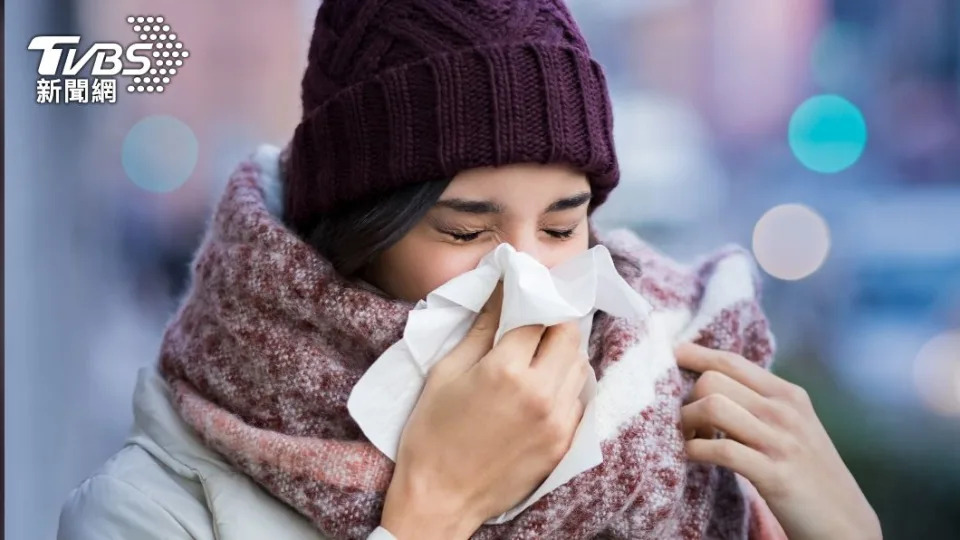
<point x="269" y="342"/>
<point x="404" y="91"/>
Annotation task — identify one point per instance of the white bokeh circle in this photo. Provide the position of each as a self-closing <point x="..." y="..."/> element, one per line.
<point x="936" y="373"/>
<point x="791" y="241"/>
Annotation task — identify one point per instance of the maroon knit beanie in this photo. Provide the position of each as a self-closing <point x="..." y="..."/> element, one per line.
<point x="404" y="91"/>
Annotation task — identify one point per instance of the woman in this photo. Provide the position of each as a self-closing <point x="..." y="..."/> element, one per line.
<point x="432" y="132"/>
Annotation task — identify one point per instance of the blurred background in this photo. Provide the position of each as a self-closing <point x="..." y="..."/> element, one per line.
<point x="822" y="134"/>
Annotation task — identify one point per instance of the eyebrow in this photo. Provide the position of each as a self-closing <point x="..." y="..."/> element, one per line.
<point x="490" y="207"/>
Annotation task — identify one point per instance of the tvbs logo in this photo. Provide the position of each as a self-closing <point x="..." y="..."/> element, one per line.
<point x="151" y="62"/>
<point x="106" y="57"/>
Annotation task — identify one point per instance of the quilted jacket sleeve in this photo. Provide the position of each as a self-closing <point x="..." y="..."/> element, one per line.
<point x="107" y="508"/>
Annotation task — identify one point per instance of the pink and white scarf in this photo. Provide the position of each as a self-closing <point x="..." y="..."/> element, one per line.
<point x="269" y="341"/>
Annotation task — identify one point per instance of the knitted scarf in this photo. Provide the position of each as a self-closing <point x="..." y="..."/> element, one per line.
<point x="269" y="341"/>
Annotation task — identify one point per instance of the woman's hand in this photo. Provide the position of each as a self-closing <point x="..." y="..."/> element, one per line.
<point x="775" y="440"/>
<point x="490" y="425"/>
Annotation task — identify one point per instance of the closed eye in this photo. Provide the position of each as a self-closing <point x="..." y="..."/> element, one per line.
<point x="563" y="235"/>
<point x="465" y="237"/>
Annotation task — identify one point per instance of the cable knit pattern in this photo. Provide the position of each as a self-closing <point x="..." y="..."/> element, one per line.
<point x="406" y="91"/>
<point x="269" y="341"/>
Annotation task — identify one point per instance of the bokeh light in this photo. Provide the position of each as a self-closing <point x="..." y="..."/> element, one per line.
<point x="937" y="373"/>
<point x="159" y="153"/>
<point x="791" y="241"/>
<point x="827" y="133"/>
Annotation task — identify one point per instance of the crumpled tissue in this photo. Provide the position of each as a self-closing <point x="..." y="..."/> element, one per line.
<point x="383" y="399"/>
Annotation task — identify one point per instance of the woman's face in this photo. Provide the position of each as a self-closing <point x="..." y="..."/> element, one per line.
<point x="538" y="209"/>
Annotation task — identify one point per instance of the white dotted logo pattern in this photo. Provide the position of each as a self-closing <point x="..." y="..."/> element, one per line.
<point x="168" y="54"/>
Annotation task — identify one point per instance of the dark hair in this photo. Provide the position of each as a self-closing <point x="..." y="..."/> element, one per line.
<point x="353" y="237"/>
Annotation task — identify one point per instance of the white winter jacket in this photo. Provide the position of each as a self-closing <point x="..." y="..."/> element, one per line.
<point x="165" y="484"/>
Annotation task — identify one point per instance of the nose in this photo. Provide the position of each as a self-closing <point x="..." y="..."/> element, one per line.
<point x="527" y="242"/>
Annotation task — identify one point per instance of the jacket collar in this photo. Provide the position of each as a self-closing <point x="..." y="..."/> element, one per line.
<point x="239" y="508"/>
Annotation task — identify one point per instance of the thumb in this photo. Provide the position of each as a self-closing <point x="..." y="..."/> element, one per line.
<point x="479" y="338"/>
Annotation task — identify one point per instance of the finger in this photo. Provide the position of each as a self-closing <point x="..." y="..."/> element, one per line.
<point x="729" y="453"/>
<point x="701" y="359"/>
<point x="571" y="418"/>
<point x="478" y="340"/>
<point x="494" y="304"/>
<point x="559" y="350"/>
<point x="718" y="412"/>
<point x="715" y="382"/>
<point x="572" y="383"/>
<point x="575" y="414"/>
<point x="520" y="344"/>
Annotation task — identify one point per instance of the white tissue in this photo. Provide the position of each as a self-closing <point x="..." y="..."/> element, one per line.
<point x="381" y="402"/>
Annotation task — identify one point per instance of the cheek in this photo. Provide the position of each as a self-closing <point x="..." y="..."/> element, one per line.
<point x="419" y="269"/>
<point x="446" y="266"/>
